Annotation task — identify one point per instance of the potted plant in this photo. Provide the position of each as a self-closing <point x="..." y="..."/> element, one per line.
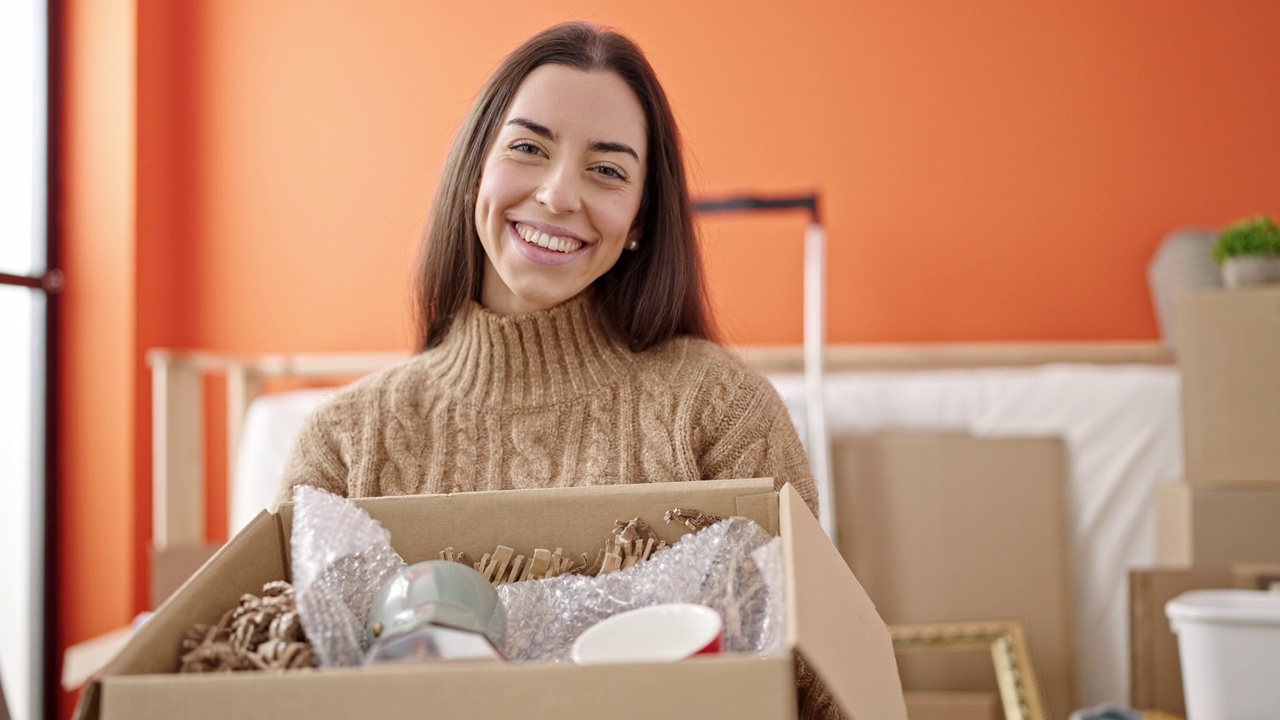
<point x="1249" y="252"/>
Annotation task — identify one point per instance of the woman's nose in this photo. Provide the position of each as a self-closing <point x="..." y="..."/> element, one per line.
<point x="559" y="191"/>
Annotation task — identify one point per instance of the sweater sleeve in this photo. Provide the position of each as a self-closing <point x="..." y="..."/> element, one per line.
<point x="317" y="458"/>
<point x="754" y="437"/>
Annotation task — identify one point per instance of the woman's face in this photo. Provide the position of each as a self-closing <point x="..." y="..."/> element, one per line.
<point x="560" y="188"/>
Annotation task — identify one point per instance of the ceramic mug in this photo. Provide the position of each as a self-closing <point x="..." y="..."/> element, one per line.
<point x="656" y="633"/>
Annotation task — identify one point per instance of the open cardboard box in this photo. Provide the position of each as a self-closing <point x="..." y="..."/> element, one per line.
<point x="830" y="621"/>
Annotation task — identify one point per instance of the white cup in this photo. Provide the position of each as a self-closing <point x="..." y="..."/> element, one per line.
<point x="657" y="633"/>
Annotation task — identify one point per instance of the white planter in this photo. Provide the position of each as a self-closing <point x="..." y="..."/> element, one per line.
<point x="1229" y="649"/>
<point x="1251" y="270"/>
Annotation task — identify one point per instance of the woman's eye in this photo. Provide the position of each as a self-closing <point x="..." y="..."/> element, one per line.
<point x="612" y="172"/>
<point x="526" y="148"/>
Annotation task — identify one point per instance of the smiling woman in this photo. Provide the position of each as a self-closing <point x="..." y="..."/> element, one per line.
<point x="564" y="332"/>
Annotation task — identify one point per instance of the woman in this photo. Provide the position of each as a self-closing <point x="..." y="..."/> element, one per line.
<point x="563" y="322"/>
<point x="564" y="334"/>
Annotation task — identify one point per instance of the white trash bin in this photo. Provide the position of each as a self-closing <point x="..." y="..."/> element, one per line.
<point x="1229" y="647"/>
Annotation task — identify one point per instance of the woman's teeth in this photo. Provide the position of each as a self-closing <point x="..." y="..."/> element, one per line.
<point x="550" y="242"/>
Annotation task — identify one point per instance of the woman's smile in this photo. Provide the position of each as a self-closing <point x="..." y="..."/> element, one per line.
<point x="553" y="239"/>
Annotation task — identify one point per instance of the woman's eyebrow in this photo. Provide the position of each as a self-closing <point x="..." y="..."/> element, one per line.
<point x="601" y="146"/>
<point x="537" y="128"/>
<point x="598" y="146"/>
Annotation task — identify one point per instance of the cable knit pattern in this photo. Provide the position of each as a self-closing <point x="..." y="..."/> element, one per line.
<point x="549" y="400"/>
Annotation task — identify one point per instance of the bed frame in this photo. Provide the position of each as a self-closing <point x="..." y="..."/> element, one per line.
<point x="179" y="439"/>
<point x="178" y="482"/>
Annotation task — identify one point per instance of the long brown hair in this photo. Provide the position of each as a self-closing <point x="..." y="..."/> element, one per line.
<point x="649" y="295"/>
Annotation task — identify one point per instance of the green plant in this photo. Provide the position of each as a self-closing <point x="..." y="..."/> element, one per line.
<point x="1255" y="236"/>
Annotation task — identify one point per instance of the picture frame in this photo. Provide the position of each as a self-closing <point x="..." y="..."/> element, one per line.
<point x="1019" y="687"/>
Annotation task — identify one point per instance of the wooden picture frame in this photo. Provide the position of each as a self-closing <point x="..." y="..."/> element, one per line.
<point x="1016" y="678"/>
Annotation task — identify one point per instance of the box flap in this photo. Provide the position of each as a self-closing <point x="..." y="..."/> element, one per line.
<point x="173" y="565"/>
<point x="252" y="559"/>
<point x="243" y="566"/>
<point x="760" y="506"/>
<point x="833" y="623"/>
<point x="82" y="660"/>
<point x="576" y="519"/>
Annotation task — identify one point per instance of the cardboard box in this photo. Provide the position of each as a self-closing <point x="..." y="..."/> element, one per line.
<point x="1229" y="354"/>
<point x="85" y="659"/>
<point x="1256" y="576"/>
<point x="171" y="566"/>
<point x="830" y="621"/>
<point x="1155" y="673"/>
<point x="1217" y="525"/>
<point x="936" y="705"/>
<point x="948" y="527"/>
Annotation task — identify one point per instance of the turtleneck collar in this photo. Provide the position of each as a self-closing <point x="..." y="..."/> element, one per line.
<point x="539" y="358"/>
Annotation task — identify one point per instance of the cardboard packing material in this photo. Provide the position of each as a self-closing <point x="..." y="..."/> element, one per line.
<point x="938" y="705"/>
<point x="1155" y="671"/>
<point x="948" y="527"/>
<point x="830" y="621"/>
<point x="1198" y="525"/>
<point x="1229" y="355"/>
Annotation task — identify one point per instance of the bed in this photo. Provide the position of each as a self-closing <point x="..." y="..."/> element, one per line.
<point x="1116" y="407"/>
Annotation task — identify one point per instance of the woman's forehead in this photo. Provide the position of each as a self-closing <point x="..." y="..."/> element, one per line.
<point x="580" y="106"/>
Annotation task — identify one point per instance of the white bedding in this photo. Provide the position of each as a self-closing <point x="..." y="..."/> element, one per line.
<point x="1121" y="425"/>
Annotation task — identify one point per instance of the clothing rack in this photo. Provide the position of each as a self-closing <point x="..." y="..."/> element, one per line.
<point x="817" y="437"/>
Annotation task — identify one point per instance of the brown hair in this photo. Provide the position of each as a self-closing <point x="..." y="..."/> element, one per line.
<point x="649" y="295"/>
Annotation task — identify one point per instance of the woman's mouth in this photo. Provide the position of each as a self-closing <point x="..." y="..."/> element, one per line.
<point x="555" y="243"/>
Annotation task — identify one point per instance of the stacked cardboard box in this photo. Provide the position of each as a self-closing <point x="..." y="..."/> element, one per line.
<point x="1229" y="355"/>
<point x="1225" y="511"/>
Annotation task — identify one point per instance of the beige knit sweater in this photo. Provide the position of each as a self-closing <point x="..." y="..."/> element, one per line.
<point x="549" y="400"/>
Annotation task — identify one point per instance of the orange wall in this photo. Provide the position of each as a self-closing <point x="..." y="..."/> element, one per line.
<point x="96" y="487"/>
<point x="991" y="174"/>
<point x="253" y="175"/>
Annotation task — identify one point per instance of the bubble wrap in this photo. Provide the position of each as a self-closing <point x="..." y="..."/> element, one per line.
<point x="714" y="567"/>
<point x="773" y="631"/>
<point x="341" y="557"/>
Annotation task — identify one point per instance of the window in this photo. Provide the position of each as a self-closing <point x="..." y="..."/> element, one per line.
<point x="23" y="342"/>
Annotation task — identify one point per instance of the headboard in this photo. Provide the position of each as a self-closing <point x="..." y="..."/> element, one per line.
<point x="178" y="482"/>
